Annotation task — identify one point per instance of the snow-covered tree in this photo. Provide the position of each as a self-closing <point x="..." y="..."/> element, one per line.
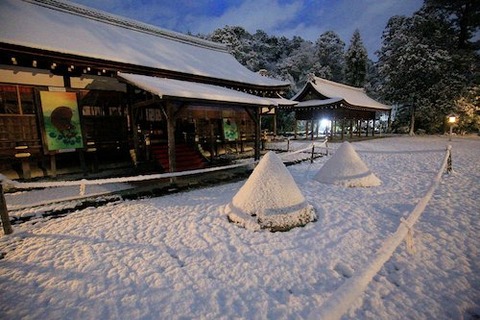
<point x="298" y="64"/>
<point x="420" y="69"/>
<point x="464" y="16"/>
<point x="356" y="59"/>
<point x="330" y="54"/>
<point x="468" y="110"/>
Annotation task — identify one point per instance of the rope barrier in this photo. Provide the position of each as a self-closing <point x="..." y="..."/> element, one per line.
<point x="84" y="182"/>
<point x="341" y="300"/>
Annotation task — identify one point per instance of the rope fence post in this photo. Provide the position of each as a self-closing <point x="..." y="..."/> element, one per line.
<point x="409" y="237"/>
<point x="7" y="227"/>
<point x="313" y="153"/>
<point x="449" y="160"/>
<point x="326" y="145"/>
<point x="288" y="145"/>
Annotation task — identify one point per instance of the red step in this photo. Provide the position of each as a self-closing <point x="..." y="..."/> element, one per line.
<point x="187" y="158"/>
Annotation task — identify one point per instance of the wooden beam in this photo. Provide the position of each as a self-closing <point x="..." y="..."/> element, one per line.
<point x="146" y="103"/>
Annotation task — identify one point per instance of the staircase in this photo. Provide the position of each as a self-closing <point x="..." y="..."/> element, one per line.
<point x="187" y="158"/>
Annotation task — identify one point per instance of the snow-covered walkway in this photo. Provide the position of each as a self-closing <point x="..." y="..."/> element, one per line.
<point x="178" y="257"/>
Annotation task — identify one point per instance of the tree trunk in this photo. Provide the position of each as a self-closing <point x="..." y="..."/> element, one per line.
<point x="412" y="121"/>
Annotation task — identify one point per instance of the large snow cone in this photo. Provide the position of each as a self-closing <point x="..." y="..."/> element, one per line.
<point x="347" y="169"/>
<point x="270" y="199"/>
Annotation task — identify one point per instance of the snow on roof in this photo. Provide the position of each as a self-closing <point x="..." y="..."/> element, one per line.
<point x="351" y="95"/>
<point x="68" y="28"/>
<point x="191" y="90"/>
<point x="270" y="199"/>
<point x="316" y="102"/>
<point x="347" y="169"/>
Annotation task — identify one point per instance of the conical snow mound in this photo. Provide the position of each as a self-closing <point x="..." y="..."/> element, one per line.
<point x="270" y="199"/>
<point x="347" y="169"/>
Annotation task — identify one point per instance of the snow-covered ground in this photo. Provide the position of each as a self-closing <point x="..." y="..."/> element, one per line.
<point x="177" y="257"/>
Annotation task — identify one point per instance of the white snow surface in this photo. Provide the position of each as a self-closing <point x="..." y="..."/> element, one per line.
<point x="346" y="168"/>
<point x="178" y="257"/>
<point x="270" y="199"/>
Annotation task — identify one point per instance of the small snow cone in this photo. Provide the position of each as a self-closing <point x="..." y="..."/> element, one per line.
<point x="347" y="169"/>
<point x="270" y="199"/>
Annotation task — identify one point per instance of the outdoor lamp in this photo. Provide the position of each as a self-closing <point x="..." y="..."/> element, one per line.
<point x="451" y="120"/>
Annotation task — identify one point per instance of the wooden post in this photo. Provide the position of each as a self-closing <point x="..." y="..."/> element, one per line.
<point x="83" y="164"/>
<point x="212" y="140"/>
<point x="295" y="133"/>
<point x="313" y="153"/>
<point x="255" y="116"/>
<point x="134" y="113"/>
<point x="171" y="137"/>
<point x="306" y="130"/>
<point x="288" y="144"/>
<point x="275" y="124"/>
<point x="449" y="160"/>
<point x="258" y="132"/>
<point x="53" y="165"/>
<point x="312" y="136"/>
<point x="342" y="127"/>
<point x="351" y="128"/>
<point x="7" y="227"/>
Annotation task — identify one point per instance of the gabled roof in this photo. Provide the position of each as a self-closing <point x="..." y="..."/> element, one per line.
<point x="66" y="28"/>
<point x="335" y="92"/>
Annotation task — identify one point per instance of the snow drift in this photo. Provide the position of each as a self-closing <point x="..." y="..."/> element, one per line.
<point x="347" y="169"/>
<point x="270" y="199"/>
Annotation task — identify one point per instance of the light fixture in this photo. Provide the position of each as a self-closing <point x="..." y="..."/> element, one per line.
<point x="53" y="66"/>
<point x="452" y="119"/>
<point x="14" y="61"/>
<point x="34" y="63"/>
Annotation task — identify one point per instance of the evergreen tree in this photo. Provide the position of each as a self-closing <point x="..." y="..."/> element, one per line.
<point x="298" y="64"/>
<point x="420" y="68"/>
<point x="464" y="16"/>
<point x="356" y="59"/>
<point x="330" y="53"/>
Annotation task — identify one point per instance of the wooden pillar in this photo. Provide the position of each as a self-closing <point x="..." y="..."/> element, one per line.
<point x="332" y="126"/>
<point x="312" y="136"/>
<point x="171" y="123"/>
<point x="275" y="124"/>
<point x="295" y="133"/>
<point x="359" y="128"/>
<point x="306" y="130"/>
<point x="351" y="128"/>
<point x="373" y="127"/>
<point x="258" y="132"/>
<point x="255" y="116"/>
<point x="53" y="165"/>
<point x="366" y="131"/>
<point x="342" y="127"/>
<point x="133" y="112"/>
<point x="212" y="139"/>
<point x="83" y="164"/>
